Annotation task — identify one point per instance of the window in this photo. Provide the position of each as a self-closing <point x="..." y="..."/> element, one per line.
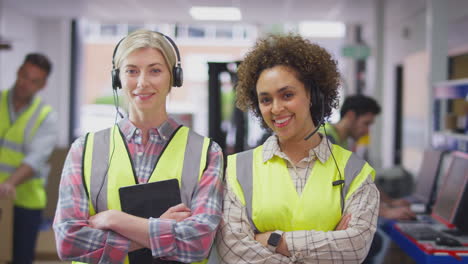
<point x="196" y="32"/>
<point x="109" y="30"/>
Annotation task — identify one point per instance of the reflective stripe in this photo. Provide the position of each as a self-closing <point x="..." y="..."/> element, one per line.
<point x="352" y="169"/>
<point x="32" y="121"/>
<point x="6" y="168"/>
<point x="244" y="171"/>
<point x="17" y="147"/>
<point x="100" y="169"/>
<point x="194" y="148"/>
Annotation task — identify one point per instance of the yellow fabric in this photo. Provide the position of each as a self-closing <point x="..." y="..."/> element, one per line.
<point x="120" y="174"/>
<point x="333" y="133"/>
<point x="364" y="140"/>
<point x="31" y="193"/>
<point x="275" y="202"/>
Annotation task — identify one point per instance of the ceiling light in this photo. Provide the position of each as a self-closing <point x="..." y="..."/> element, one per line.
<point x="322" y="29"/>
<point x="216" y="13"/>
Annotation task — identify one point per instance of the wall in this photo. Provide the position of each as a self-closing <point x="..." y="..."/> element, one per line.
<point x="416" y="109"/>
<point x="405" y="36"/>
<point x="50" y="36"/>
<point x="19" y="30"/>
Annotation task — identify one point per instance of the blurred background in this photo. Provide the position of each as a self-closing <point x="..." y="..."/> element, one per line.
<point x="409" y="55"/>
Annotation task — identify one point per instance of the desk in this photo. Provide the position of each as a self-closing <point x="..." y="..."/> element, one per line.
<point x="415" y="251"/>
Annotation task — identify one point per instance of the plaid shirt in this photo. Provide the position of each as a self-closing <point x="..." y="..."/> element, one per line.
<point x="236" y="242"/>
<point x="184" y="241"/>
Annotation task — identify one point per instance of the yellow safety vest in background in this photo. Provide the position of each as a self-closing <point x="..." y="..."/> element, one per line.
<point x="271" y="199"/>
<point x="13" y="139"/>
<point x="172" y="164"/>
<point x="335" y="138"/>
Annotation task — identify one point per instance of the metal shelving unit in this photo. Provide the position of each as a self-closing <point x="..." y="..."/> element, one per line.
<point x="444" y="137"/>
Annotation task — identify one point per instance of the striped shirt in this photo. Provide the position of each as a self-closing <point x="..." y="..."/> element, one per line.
<point x="236" y="239"/>
<point x="180" y="241"/>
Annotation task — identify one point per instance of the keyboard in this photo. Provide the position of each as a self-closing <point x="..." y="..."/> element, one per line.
<point x="420" y="231"/>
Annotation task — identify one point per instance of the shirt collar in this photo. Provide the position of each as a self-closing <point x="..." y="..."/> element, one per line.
<point x="164" y="131"/>
<point x="321" y="151"/>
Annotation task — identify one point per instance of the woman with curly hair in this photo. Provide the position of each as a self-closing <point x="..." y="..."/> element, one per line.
<point x="297" y="198"/>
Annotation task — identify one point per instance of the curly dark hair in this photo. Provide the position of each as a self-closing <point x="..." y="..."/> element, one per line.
<point x="313" y="64"/>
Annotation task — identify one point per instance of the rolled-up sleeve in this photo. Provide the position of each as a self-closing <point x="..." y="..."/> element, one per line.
<point x="76" y="241"/>
<point x="42" y="144"/>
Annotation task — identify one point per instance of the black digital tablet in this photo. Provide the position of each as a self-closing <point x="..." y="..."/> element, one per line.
<point x="149" y="200"/>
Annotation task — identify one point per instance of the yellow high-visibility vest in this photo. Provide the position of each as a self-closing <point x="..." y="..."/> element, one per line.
<point x="13" y="139"/>
<point x="106" y="156"/>
<point x="271" y="199"/>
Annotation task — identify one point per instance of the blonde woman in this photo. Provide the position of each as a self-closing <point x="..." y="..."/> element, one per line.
<point x="147" y="146"/>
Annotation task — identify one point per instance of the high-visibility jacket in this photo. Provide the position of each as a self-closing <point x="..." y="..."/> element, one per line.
<point x="14" y="137"/>
<point x="270" y="197"/>
<point x="332" y="134"/>
<point x="107" y="166"/>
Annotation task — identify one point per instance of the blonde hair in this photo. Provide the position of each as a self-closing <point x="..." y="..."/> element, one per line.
<point x="145" y="39"/>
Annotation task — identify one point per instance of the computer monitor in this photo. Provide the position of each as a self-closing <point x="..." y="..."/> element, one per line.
<point x="453" y="187"/>
<point x="426" y="181"/>
<point x="461" y="216"/>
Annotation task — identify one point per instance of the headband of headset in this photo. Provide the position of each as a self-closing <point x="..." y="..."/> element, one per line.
<point x="177" y="73"/>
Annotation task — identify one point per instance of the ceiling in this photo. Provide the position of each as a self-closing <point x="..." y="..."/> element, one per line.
<point x="154" y="11"/>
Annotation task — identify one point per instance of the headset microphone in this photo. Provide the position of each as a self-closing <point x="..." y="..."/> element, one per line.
<point x="313" y="132"/>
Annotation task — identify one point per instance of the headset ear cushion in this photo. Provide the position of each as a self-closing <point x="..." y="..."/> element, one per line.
<point x="116" y="84"/>
<point x="178" y="76"/>
<point x="317" y="106"/>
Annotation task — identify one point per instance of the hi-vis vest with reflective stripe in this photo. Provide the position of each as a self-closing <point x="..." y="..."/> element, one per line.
<point x="270" y="197"/>
<point x="107" y="166"/>
<point x="13" y="140"/>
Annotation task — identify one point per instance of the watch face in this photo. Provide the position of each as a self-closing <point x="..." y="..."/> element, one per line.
<point x="274" y="239"/>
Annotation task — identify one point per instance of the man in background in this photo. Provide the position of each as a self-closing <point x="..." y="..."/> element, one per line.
<point x="357" y="115"/>
<point x="28" y="132"/>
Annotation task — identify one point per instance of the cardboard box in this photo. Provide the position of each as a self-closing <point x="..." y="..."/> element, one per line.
<point x="460" y="106"/>
<point x="46" y="249"/>
<point x="6" y="230"/>
<point x="56" y="162"/>
<point x="450" y="122"/>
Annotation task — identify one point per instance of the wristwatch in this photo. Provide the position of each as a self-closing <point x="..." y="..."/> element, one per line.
<point x="274" y="240"/>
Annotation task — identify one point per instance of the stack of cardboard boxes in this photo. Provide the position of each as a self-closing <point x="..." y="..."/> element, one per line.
<point x="6" y="231"/>
<point x="456" y="121"/>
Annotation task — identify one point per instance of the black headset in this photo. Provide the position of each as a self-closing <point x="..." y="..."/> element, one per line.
<point x="318" y="106"/>
<point x="177" y="73"/>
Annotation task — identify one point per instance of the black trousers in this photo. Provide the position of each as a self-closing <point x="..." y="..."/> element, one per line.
<point x="25" y="232"/>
